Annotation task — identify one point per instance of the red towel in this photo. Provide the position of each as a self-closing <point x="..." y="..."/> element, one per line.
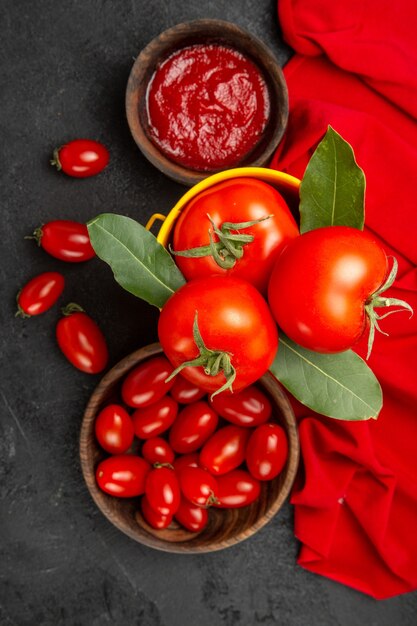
<point x="356" y="495"/>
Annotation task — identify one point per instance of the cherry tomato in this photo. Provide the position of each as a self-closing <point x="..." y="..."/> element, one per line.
<point x="248" y="407"/>
<point x="185" y="392"/>
<point x="193" y="518"/>
<point x="198" y="486"/>
<point x="81" y="340"/>
<point x="267" y="451"/>
<point x="123" y="475"/>
<point x="65" y="240"/>
<point x="154" y="519"/>
<point x="39" y="294"/>
<point x="155" y="419"/>
<point x="225" y="450"/>
<point x="163" y="491"/>
<point x="321" y="283"/>
<point x="145" y="384"/>
<point x="81" y="158"/>
<point x="235" y="201"/>
<point x="193" y="426"/>
<point x="234" y="324"/>
<point x="236" y="489"/>
<point x="114" y="429"/>
<point x="186" y="460"/>
<point x="157" y="450"/>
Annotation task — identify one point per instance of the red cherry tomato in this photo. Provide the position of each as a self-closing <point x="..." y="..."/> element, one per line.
<point x="123" y="475"/>
<point x="186" y="460"/>
<point x="248" y="407"/>
<point x="157" y="450"/>
<point x="267" y="451"/>
<point x="163" y="491"/>
<point x="198" y="486"/>
<point x="193" y="518"/>
<point x="236" y="489"/>
<point x="114" y="429"/>
<point x="155" y="419"/>
<point x="145" y="384"/>
<point x="320" y="285"/>
<point x="154" y="519"/>
<point x="234" y="323"/>
<point x="81" y="340"/>
<point x="81" y="158"/>
<point x="39" y="294"/>
<point x="185" y="392"/>
<point x="225" y="450"/>
<point x="235" y="201"/>
<point x="192" y="427"/>
<point x="65" y="240"/>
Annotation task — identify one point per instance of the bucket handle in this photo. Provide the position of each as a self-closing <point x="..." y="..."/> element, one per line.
<point x="155" y="217"/>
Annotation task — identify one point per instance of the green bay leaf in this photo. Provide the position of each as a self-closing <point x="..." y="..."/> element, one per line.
<point x="340" y="385"/>
<point x="140" y="264"/>
<point x="332" y="191"/>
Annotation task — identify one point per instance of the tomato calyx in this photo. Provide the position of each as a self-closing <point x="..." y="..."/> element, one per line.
<point x="36" y="235"/>
<point x="212" y="361"/>
<point x="378" y="301"/>
<point x="55" y="160"/>
<point x="158" y="465"/>
<point x="230" y="245"/>
<point x="71" y="308"/>
<point x="20" y="312"/>
<point x="211" y="501"/>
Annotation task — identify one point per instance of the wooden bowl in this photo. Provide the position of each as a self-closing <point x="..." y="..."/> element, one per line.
<point x="226" y="527"/>
<point x="205" y="31"/>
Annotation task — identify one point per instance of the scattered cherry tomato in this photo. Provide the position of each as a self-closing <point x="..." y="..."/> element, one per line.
<point x="193" y="518"/>
<point x="154" y="519"/>
<point x="234" y="324"/>
<point x="249" y="407"/>
<point x="157" y="450"/>
<point x="81" y="158"/>
<point x="185" y="392"/>
<point x="267" y="451"/>
<point x="163" y="491"/>
<point x="145" y="384"/>
<point x="198" y="486"/>
<point x="155" y="419"/>
<point x="235" y="201"/>
<point x="39" y="294"/>
<point x="114" y="429"/>
<point x="225" y="450"/>
<point x="123" y="475"/>
<point x="321" y="284"/>
<point x="81" y="340"/>
<point x="186" y="460"/>
<point x="65" y="240"/>
<point x="236" y="489"/>
<point x="194" y="424"/>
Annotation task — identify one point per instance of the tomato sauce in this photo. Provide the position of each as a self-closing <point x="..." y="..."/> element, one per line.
<point x="207" y="106"/>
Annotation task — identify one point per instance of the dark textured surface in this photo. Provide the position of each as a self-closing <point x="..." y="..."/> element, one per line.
<point x="64" y="70"/>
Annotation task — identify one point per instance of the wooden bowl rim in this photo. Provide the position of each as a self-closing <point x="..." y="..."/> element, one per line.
<point x="158" y="47"/>
<point x="152" y="540"/>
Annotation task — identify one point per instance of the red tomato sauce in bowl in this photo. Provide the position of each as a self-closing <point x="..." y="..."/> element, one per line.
<point x="207" y="106"/>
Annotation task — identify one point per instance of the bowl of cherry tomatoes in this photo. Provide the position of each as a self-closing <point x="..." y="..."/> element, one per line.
<point x="178" y="470"/>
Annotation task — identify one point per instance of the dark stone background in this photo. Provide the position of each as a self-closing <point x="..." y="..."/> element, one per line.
<point x="64" y="71"/>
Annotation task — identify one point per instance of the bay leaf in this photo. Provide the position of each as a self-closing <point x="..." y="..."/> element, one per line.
<point x="332" y="191"/>
<point x="339" y="385"/>
<point x="140" y="264"/>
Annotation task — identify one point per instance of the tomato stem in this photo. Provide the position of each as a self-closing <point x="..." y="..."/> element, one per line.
<point x="55" y="160"/>
<point x="37" y="235"/>
<point x="230" y="246"/>
<point x="212" y="361"/>
<point x="378" y="301"/>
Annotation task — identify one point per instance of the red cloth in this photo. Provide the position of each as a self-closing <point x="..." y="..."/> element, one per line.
<point x="356" y="496"/>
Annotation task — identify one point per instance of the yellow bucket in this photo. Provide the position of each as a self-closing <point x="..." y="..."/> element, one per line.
<point x="287" y="185"/>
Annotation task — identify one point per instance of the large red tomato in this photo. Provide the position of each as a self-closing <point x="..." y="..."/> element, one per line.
<point x="322" y="288"/>
<point x="222" y="328"/>
<point x="235" y="202"/>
